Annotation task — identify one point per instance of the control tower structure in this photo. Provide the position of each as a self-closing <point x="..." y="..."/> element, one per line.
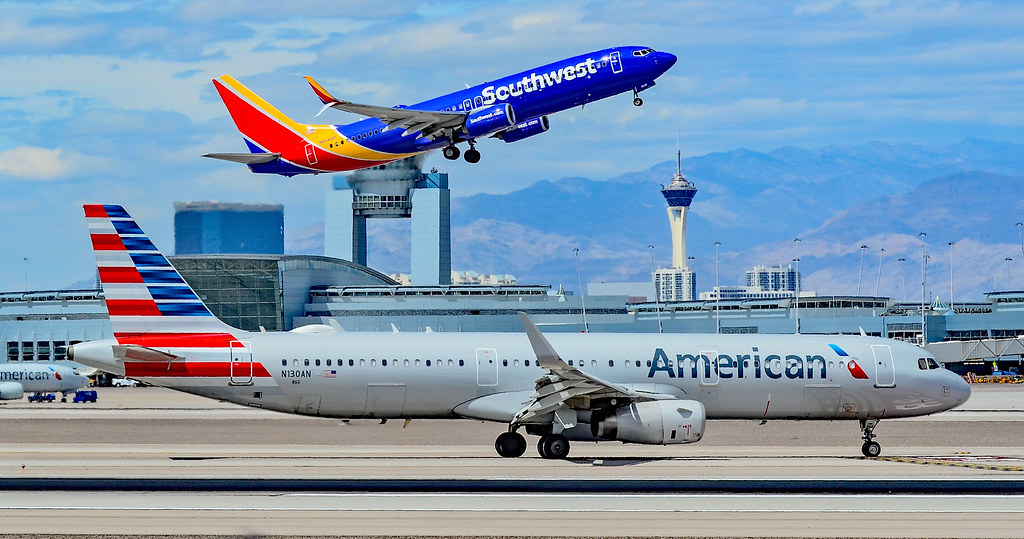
<point x="396" y="190"/>
<point x="678" y="282"/>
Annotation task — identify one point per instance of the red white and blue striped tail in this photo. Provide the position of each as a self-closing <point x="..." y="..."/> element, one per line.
<point x="148" y="301"/>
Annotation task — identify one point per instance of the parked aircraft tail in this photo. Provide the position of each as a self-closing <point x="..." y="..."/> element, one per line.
<point x="149" y="303"/>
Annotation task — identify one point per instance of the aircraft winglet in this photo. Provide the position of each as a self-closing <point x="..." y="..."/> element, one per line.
<point x="325" y="97"/>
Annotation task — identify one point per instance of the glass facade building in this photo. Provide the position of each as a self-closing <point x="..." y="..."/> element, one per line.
<point x="226" y="228"/>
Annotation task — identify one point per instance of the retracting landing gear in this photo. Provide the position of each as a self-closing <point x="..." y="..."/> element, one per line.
<point x="870" y="448"/>
<point x="472" y="154"/>
<point x="637" y="102"/>
<point x="510" y="444"/>
<point x="451" y="152"/>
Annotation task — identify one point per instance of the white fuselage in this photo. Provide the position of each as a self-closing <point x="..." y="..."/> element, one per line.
<point x="491" y="375"/>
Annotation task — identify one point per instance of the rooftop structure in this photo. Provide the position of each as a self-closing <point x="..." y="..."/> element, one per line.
<point x="393" y="191"/>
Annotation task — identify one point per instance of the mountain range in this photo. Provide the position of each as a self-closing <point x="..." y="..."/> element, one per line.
<point x="835" y="199"/>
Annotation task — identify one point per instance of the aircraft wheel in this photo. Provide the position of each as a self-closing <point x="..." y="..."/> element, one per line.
<point x="638" y="102"/>
<point x="472" y="156"/>
<point x="553" y="446"/>
<point x="510" y="444"/>
<point x="451" y="152"/>
<point x="871" y="449"/>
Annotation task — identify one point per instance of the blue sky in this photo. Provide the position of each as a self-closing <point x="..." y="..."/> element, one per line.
<point x="112" y="102"/>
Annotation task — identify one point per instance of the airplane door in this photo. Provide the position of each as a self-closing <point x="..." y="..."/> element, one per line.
<point x="311" y="154"/>
<point x="486" y="367"/>
<point x="885" y="370"/>
<point x="241" y="363"/>
<point x="615" y="61"/>
<point x="707" y="368"/>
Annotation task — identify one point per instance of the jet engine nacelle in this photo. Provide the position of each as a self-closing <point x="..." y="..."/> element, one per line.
<point x="490" y="119"/>
<point x="525" y="129"/>
<point x="654" y="422"/>
<point x="10" y="391"/>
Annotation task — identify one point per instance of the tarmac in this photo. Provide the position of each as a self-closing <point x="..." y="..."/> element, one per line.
<point x="154" y="461"/>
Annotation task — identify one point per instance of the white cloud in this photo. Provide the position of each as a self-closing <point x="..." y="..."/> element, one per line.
<point x="29" y="163"/>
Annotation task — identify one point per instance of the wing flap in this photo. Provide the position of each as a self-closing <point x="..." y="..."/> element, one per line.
<point x="563" y="382"/>
<point x="422" y="120"/>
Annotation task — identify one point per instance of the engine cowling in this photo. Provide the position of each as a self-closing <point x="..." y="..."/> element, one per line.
<point x="10" y="391"/>
<point x="490" y="119"/>
<point x="529" y="128"/>
<point x="654" y="422"/>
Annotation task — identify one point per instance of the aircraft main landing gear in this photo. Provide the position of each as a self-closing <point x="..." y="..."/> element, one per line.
<point x="451" y="152"/>
<point x="871" y="448"/>
<point x="472" y="154"/>
<point x="510" y="444"/>
<point x="553" y="446"/>
<point x="637" y="102"/>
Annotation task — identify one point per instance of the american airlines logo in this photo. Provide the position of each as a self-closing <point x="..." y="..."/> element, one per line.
<point x="538" y="82"/>
<point x="709" y="364"/>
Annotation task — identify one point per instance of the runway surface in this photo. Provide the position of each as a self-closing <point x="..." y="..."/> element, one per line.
<point x="442" y="478"/>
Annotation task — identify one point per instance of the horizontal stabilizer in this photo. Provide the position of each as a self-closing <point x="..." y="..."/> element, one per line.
<point x="245" y="158"/>
<point x="135" y="352"/>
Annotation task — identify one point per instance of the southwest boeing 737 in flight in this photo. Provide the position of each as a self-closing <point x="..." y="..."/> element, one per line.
<point x="511" y="109"/>
<point x="635" y="388"/>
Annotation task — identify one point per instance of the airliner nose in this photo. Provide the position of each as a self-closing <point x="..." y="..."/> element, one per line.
<point x="959" y="391"/>
<point x="665" y="59"/>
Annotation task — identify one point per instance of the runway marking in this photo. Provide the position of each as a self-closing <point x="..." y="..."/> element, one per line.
<point x="975" y="463"/>
<point x="571" y="503"/>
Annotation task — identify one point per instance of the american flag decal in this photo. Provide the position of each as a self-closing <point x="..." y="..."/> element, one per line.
<point x="330" y="374"/>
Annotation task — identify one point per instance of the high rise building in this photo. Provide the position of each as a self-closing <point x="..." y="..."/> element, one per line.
<point x="677" y="283"/>
<point x="202" y="228"/>
<point x="773" y="278"/>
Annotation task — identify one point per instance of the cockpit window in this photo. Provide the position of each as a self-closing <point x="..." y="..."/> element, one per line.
<point x="922" y="363"/>
<point x="928" y="363"/>
<point x="642" y="52"/>
<point x="932" y="364"/>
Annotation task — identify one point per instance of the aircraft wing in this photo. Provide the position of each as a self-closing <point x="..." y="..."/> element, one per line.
<point x="431" y="123"/>
<point x="564" y="382"/>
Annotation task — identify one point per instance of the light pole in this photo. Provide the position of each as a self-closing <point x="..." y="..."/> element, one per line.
<point x="718" y="293"/>
<point x="796" y="299"/>
<point x="951" y="244"/>
<point x="657" y="291"/>
<point x="26" y="273"/>
<point x="924" y="281"/>
<point x="1020" y="235"/>
<point x="903" y="275"/>
<point x="878" y="280"/>
<point x="860" y="273"/>
<point x="1008" y="260"/>
<point x="583" y="301"/>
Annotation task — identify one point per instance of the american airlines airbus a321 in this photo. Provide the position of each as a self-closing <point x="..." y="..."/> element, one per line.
<point x="511" y="109"/>
<point x="636" y="388"/>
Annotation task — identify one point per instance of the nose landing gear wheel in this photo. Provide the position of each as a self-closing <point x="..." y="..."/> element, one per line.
<point x="510" y="444"/>
<point x="871" y="449"/>
<point x="638" y="102"/>
<point x="451" y="152"/>
<point x="553" y="446"/>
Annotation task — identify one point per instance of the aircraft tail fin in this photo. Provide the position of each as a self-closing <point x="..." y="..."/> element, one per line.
<point x="268" y="132"/>
<point x="148" y="301"/>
